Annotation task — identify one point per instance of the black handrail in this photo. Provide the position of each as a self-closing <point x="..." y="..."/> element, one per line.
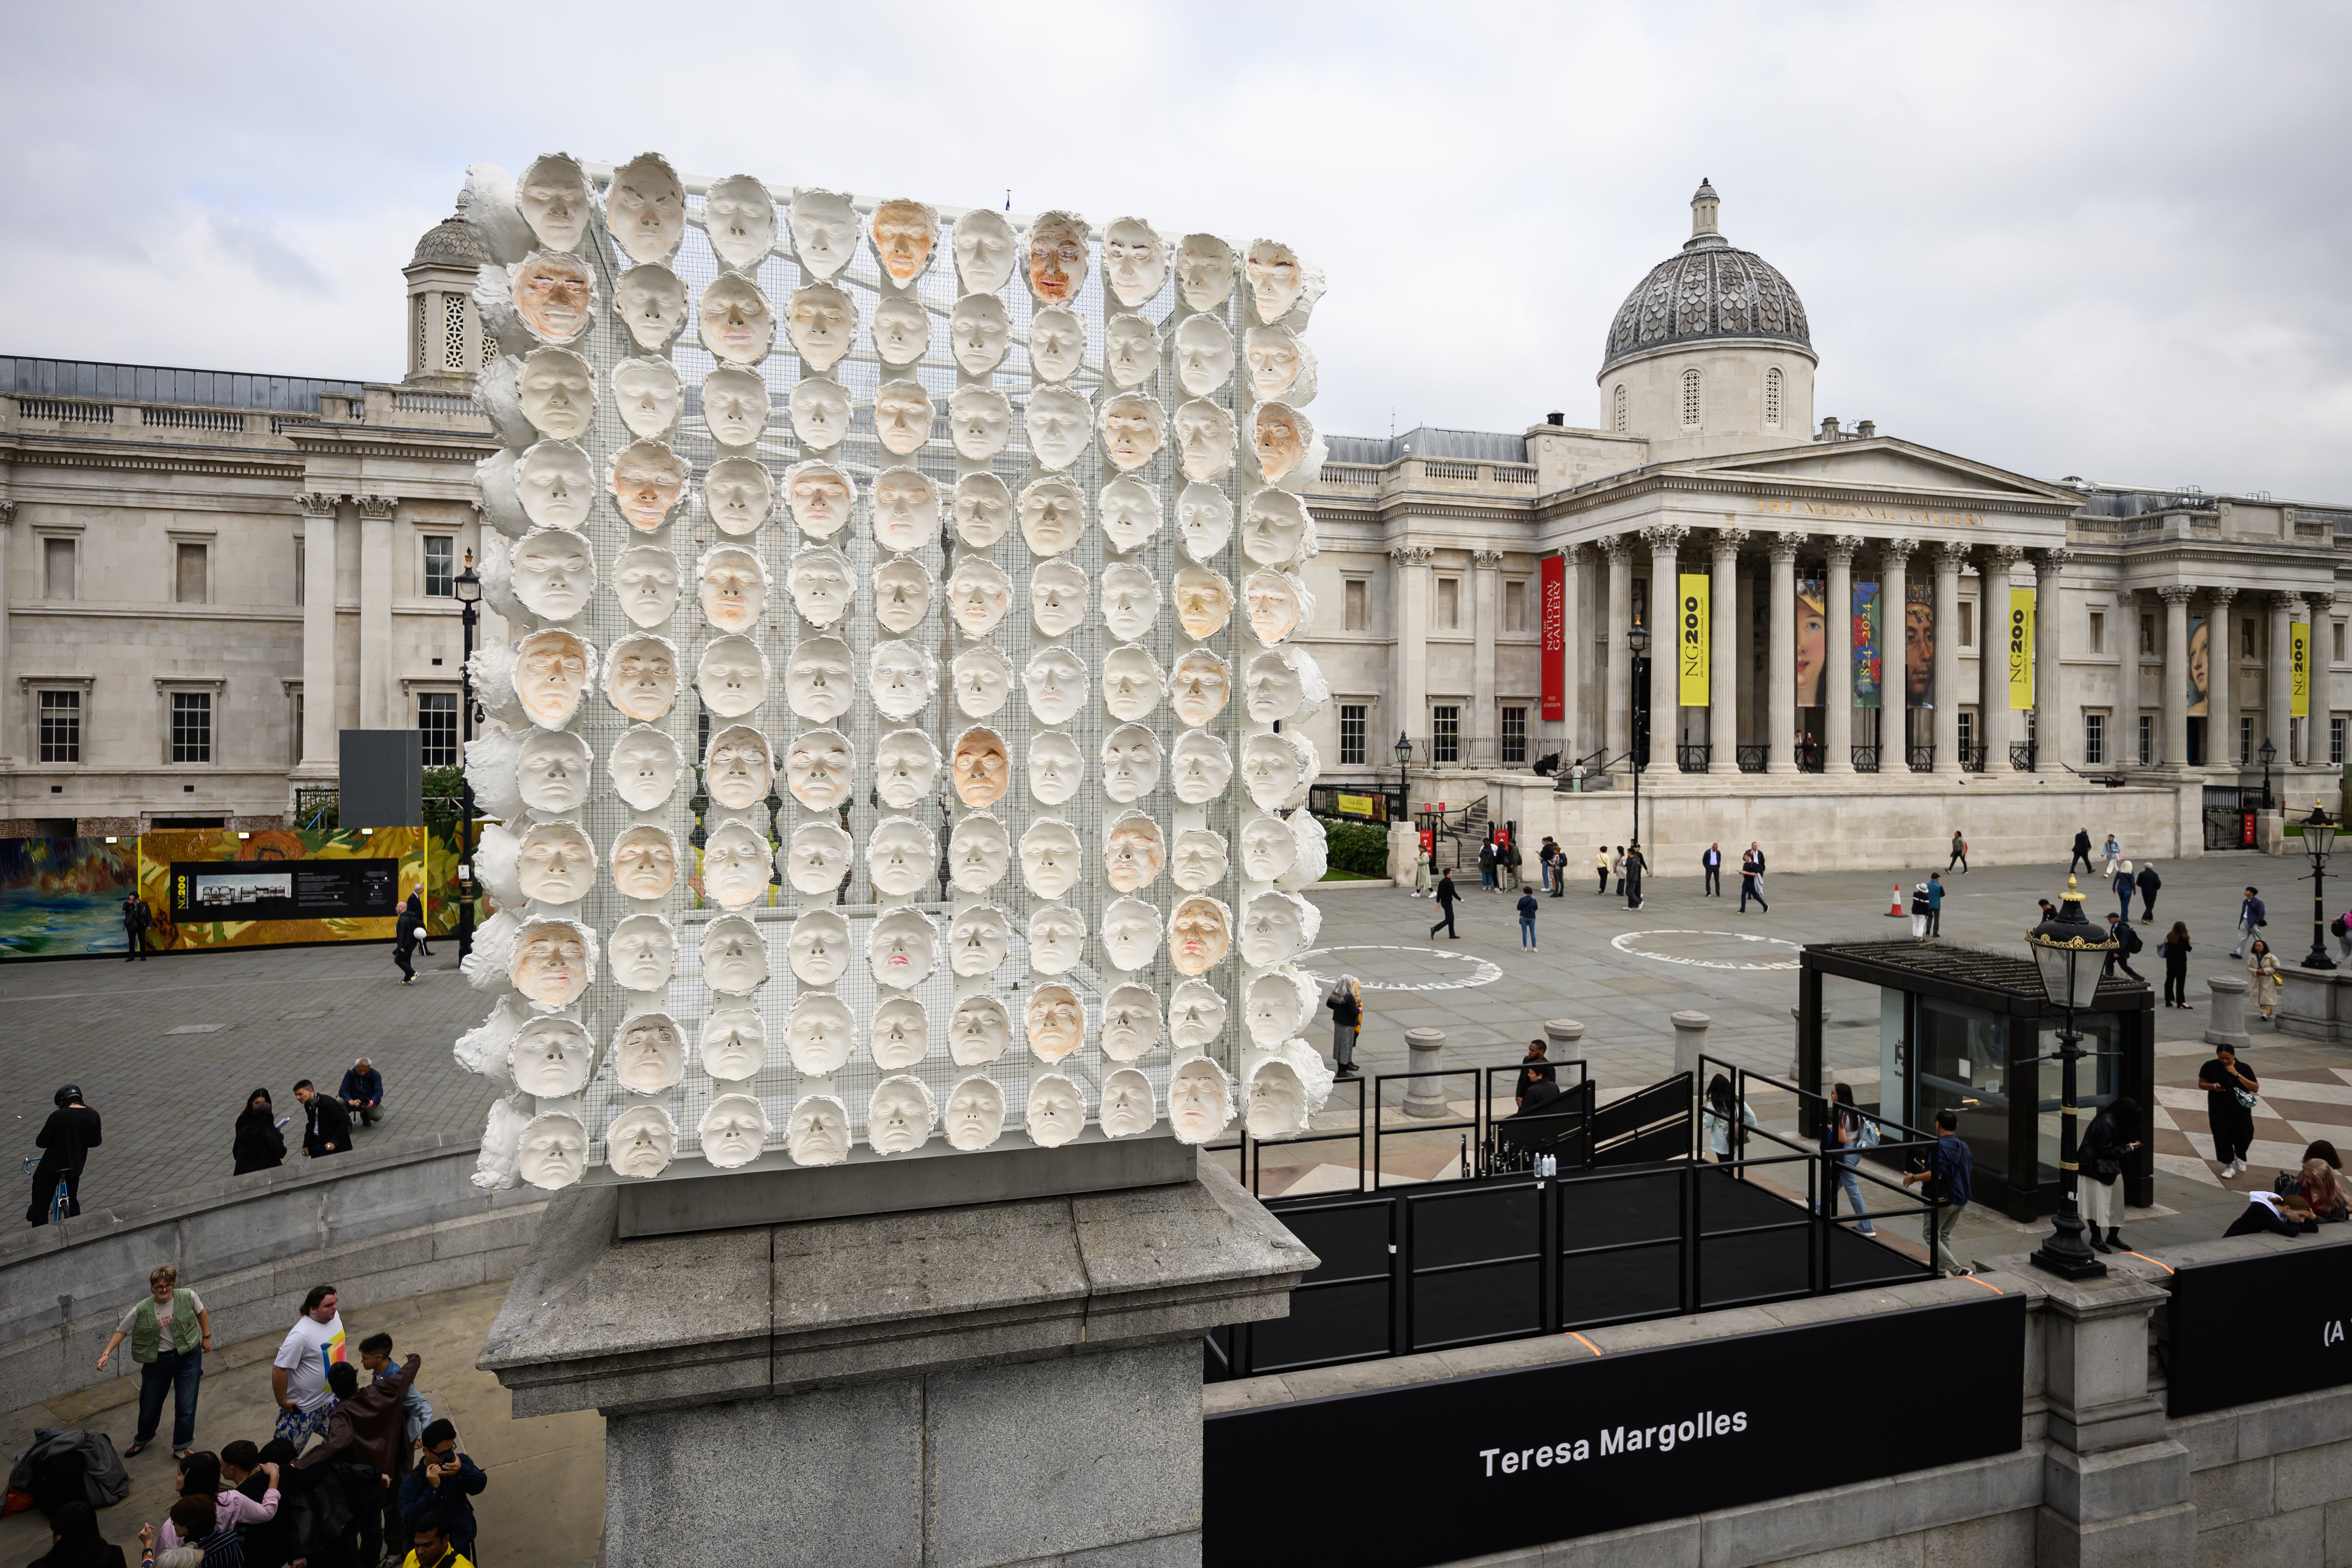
<point x="1865" y="759"/>
<point x="1692" y="759"/>
<point x="1921" y="758"/>
<point x="1751" y="759"/>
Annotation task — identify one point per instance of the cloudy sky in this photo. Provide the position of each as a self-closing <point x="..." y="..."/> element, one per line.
<point x="2084" y="239"/>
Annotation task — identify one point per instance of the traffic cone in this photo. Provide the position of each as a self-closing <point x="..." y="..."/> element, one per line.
<point x="1896" y="909"/>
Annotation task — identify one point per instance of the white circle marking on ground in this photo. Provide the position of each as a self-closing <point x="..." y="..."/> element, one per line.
<point x="1483" y="972"/>
<point x="1625" y="945"/>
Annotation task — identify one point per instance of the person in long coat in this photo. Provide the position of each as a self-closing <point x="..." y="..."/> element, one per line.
<point x="260" y="1146"/>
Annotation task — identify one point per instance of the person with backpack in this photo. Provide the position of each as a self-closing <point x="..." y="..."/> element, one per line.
<point x="1487" y="865"/>
<point x="2174" y="950"/>
<point x="2126" y="943"/>
<point x="1949" y="1179"/>
<point x="2106" y="1144"/>
<point x="1508" y="862"/>
<point x="1347" y="1004"/>
<point x="1845" y="1130"/>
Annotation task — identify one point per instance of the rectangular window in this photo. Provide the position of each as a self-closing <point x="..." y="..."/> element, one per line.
<point x="2095" y="738"/>
<point x="2147" y="740"/>
<point x="1515" y="734"/>
<point x="2147" y="634"/>
<point x="190" y="574"/>
<point x="1359" y="604"/>
<point x="1449" y="604"/>
<point x="192" y="726"/>
<point x="440" y="567"/>
<point x="57" y="568"/>
<point x="1446" y="734"/>
<point x="436" y="718"/>
<point x="1515" y="606"/>
<point x="1351" y="734"/>
<point x="2245" y="741"/>
<point x="2338" y="629"/>
<point x="301" y="572"/>
<point x="1968" y="732"/>
<point x="2098" y="632"/>
<point x="2335" y="743"/>
<point x="61" y="726"/>
<point x="1968" y="623"/>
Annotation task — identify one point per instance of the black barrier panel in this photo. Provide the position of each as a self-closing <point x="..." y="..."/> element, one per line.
<point x="1643" y="1281"/>
<point x="1341" y="1311"/>
<point x="1635" y="1206"/>
<point x="1476" y="1265"/>
<point x="2259" y="1328"/>
<point x="1754" y="1244"/>
<point x="1514" y="1459"/>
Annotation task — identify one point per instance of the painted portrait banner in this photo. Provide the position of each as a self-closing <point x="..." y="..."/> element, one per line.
<point x="2298" y="648"/>
<point x="1813" y="639"/>
<point x="1919" y="645"/>
<point x="1555" y="638"/>
<point x="62" y="897"/>
<point x="2021" y="647"/>
<point x="1869" y="673"/>
<point x="2200" y="664"/>
<point x="1690" y="639"/>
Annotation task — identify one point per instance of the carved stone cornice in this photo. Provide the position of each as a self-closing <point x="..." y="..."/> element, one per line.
<point x="1486" y="560"/>
<point x="2175" y="594"/>
<point x="1843" y="547"/>
<point x="1781" y="548"/>
<point x="1619" y="548"/>
<point x="1411" y="555"/>
<point x="1896" y="551"/>
<point x="376" y="509"/>
<point x="318" y="504"/>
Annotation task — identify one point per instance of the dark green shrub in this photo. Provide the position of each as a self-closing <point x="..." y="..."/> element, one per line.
<point x="1358" y="846"/>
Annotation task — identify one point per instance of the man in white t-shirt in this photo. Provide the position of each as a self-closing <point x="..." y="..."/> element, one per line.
<point x="298" y="1374"/>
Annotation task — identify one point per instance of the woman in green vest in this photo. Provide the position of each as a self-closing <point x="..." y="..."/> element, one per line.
<point x="169" y="1333"/>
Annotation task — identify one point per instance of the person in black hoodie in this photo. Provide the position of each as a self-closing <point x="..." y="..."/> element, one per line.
<point x="260" y="1146"/>
<point x="2107" y="1144"/>
<point x="66" y="1139"/>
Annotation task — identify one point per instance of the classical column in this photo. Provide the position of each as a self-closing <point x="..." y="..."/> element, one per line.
<point x="1994" y="577"/>
<point x="1949" y="557"/>
<point x="1838" y="690"/>
<point x="2176" y="676"/>
<point x="2122" y="746"/>
<point x="2278" y="695"/>
<point x="1409" y="566"/>
<point x="379" y="681"/>
<point x="1574" y="634"/>
<point x="2052" y="723"/>
<point x="1485" y="605"/>
<point x="1664" y="617"/>
<point x="1781" y="696"/>
<point x="2322" y="693"/>
<point x="1618" y="702"/>
<point x="2220" y="678"/>
<point x="1725" y="647"/>
<point x="7" y="729"/>
<point x="319" y="683"/>
<point x="1894" y="644"/>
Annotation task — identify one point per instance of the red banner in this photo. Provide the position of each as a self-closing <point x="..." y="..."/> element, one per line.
<point x="1555" y="638"/>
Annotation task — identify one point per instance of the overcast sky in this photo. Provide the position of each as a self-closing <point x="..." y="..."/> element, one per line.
<point x="2067" y="239"/>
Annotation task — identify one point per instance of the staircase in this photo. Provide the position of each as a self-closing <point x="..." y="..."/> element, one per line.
<point x="1459" y="833"/>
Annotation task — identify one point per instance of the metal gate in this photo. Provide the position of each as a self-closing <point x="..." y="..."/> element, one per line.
<point x="2229" y="818"/>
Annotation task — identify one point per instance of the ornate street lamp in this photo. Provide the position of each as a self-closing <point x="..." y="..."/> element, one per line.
<point x="2071" y="954"/>
<point x="2318" y="838"/>
<point x="1637" y="643"/>
<point x="468" y="589"/>
<point x="2268" y="754"/>
<point x="1404" y="761"/>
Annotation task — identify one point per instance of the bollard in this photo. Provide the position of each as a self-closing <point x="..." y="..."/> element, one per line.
<point x="1690" y="1041"/>
<point x="2228" y="993"/>
<point x="1424" y="1095"/>
<point x="1562" y="1036"/>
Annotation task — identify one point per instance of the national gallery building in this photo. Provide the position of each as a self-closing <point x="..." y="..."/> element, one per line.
<point x="204" y="577"/>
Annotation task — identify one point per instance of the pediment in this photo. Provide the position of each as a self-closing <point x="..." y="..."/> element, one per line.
<point x="1885" y="466"/>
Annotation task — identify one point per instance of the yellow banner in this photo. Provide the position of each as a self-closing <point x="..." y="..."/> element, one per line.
<point x="1690" y="640"/>
<point x="2298" y="648"/>
<point x="1355" y="805"/>
<point x="2021" y="647"/>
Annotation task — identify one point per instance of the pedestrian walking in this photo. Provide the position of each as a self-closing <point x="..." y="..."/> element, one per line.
<point x="65" y="1140"/>
<point x="2251" y="918"/>
<point x="169" y="1331"/>
<point x="2148" y="883"/>
<point x="2124" y="886"/>
<point x="2231" y="1094"/>
<point x="1949" y="1179"/>
<point x="1617" y="869"/>
<point x="2109" y="853"/>
<point x="1719" y="1115"/>
<point x="1487" y="866"/>
<point x="2174" y="950"/>
<point x="298" y="1373"/>
<point x="327" y="1126"/>
<point x="1751" y="882"/>
<point x="403" y="946"/>
<point x="1918" y="911"/>
<point x="416" y="914"/>
<point x="136" y="919"/>
<point x="446" y="1482"/>
<point x="363" y="1091"/>
<point x="1601" y="869"/>
<point x="1635" y="864"/>
<point x="260" y="1146"/>
<point x="1845" y="1130"/>
<point x="1711" y="862"/>
<point x="1527" y="921"/>
<point x="1447" y="897"/>
<point x="2126" y="943"/>
<point x="1935" y="904"/>
<point x="2263" y="972"/>
<point x="2107" y="1142"/>
<point x="2081" y="855"/>
<point x="1959" y="853"/>
<point x="1347" y="1004"/>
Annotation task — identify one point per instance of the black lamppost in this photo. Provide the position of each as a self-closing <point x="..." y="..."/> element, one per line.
<point x="1404" y="761"/>
<point x="2318" y="838"/>
<point x="2268" y="753"/>
<point x="469" y="588"/>
<point x="2071" y="954"/>
<point x="1637" y="643"/>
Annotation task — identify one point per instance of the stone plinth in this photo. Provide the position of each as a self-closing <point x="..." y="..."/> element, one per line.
<point x="1690" y="1041"/>
<point x="1425" y="1094"/>
<point x="2315" y="1003"/>
<point x="986" y="1386"/>
<point x="1562" y="1037"/>
<point x="2227" y="1025"/>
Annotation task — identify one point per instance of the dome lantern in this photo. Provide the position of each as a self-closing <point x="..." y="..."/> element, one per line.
<point x="1709" y="290"/>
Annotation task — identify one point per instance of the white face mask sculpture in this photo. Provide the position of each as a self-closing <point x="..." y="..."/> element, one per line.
<point x="820" y="496"/>
<point x="1129" y="511"/>
<point x="643" y="952"/>
<point x="1132" y="684"/>
<point x="645" y="208"/>
<point x="908" y="767"/>
<point x="1130" y="600"/>
<point x="1282" y="369"/>
<point x="1199" y="1100"/>
<point x="556" y="864"/>
<point x="1134" y="851"/>
<point x="1059" y="424"/>
<point x="903" y="947"/>
<point x="1277" y="1100"/>
<point x="1057" y="1110"/>
<point x="1058" y="939"/>
<point x="1058" y="599"/>
<point x="552" y="963"/>
<point x="555" y="295"/>
<point x="649" y="395"/>
<point x="981" y="768"/>
<point x="1268" y="850"/>
<point x="1205" y="271"/>
<point x="1284" y="683"/>
<point x="902" y="416"/>
<point x="977" y="853"/>
<point x="1204" y="439"/>
<point x="645" y="581"/>
<point x="1130" y="764"/>
<point x="1277" y="1003"/>
<point x="978" y="595"/>
<point x="490" y="769"/>
<point x="906" y="510"/>
<point x="820" y="412"/>
<point x="553" y="197"/>
<point x="552" y="772"/>
<point x="1276" y="927"/>
<point x="734" y="956"/>
<point x="648" y="479"/>
<point x="903" y="677"/>
<point x="648" y="1054"/>
<point x="818" y="949"/>
<point x="1056" y="684"/>
<point x="555" y="573"/>
<point x="983" y="510"/>
<point x="553" y="1153"/>
<point x="984" y="250"/>
<point x="1275" y="531"/>
<point x="1282" y="437"/>
<point x="734" y="587"/>
<point x="1277" y="277"/>
<point x="817" y="680"/>
<point x="1198" y="686"/>
<point x="552" y="672"/>
<point x="555" y="484"/>
<point x="1130" y="1022"/>
<point x="1134" y="427"/>
<point x="901" y="855"/>
<point x="732" y="677"/>
<point x="825" y="230"/>
<point x="900" y="1117"/>
<point x="1199" y="932"/>
<point x="904" y="234"/>
<point x="816" y="857"/>
<point x="1057" y="343"/>
<point x="818" y="1033"/>
<point x="1134" y="262"/>
<point x="902" y="332"/>
<point x="1127" y="1104"/>
<point x="641" y="1142"/>
<point x="1196" y="1017"/>
<point x="1053" y="253"/>
<point x="653" y="307"/>
<point x="1277" y="769"/>
<point x="1130" y="933"/>
<point x="1049" y="858"/>
<point x="1198" y="859"/>
<point x="558" y="393"/>
<point x="738" y="326"/>
<point x="1277" y="603"/>
<point x="735" y="405"/>
<point x="975" y="1116"/>
<point x="736" y="767"/>
<point x="735" y="1129"/>
<point x="550" y="1057"/>
<point x="1204" y="521"/>
<point x="979" y="332"/>
<point x="1204" y="355"/>
<point x="738" y="495"/>
<point x="978" y="1031"/>
<point x="817" y="768"/>
<point x="818" y="1130"/>
<point x="979" y="421"/>
<point x="979" y="941"/>
<point x="1202" y="765"/>
<point x="735" y="867"/>
<point x="984" y="679"/>
<point x="1053" y="516"/>
<point x="640" y="677"/>
<point x="645" y="861"/>
<point x="821" y="322"/>
<point x="1055" y="1021"/>
<point x="1204" y="600"/>
<point x="900" y="1036"/>
<point x="1057" y="767"/>
<point x="741" y="218"/>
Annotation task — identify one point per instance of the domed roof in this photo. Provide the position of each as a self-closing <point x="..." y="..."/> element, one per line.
<point x="449" y="243"/>
<point x="1710" y="289"/>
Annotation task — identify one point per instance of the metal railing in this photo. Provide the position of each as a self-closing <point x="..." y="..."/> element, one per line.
<point x="1473" y="750"/>
<point x="2020" y="755"/>
<point x="1751" y="759"/>
<point x="1972" y="759"/>
<point x="1692" y="759"/>
<point x="1921" y="758"/>
<point x="1865" y="759"/>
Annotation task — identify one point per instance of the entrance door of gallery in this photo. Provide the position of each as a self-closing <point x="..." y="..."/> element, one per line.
<point x="2229" y="818"/>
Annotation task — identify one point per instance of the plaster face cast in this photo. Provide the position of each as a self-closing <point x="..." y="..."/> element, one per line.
<point x="905" y="233"/>
<point x="977" y="852"/>
<point x="652" y="306"/>
<point x="1058" y="599"/>
<point x="1058" y="939"/>
<point x="640" y="677"/>
<point x="1057" y="343"/>
<point x="645" y="581"/>
<point x="1049" y="858"/>
<point x="645" y="861"/>
<point x="903" y="947"/>
<point x="1203" y="766"/>
<point x="1281" y="435"/>
<point x="1276" y="927"/>
<point x="556" y="863"/>
<point x="737" y="326"/>
<point x="735" y="405"/>
<point x="820" y="497"/>
<point x="903" y="676"/>
<point x="900" y="1036"/>
<point x="1130" y="509"/>
<point x="818" y="949"/>
<point x="1130" y="933"/>
<point x="1059" y="423"/>
<point x="641" y="1142"/>
<point x="984" y="248"/>
<point x="1057" y="1110"/>
<point x="1130" y="1021"/>
<point x="901" y="855"/>
<point x="555" y="484"/>
<point x="643" y="952"/>
<point x="902" y="416"/>
<point x="978" y="595"/>
<point x="818" y="1033"/>
<point x="1134" y="851"/>
<point x="820" y="412"/>
<point x="900" y="1115"/>
<point x="557" y="392"/>
<point x="820" y="581"/>
<point x="647" y="480"/>
<point x="1276" y="278"/>
<point x="648" y="1054"/>
<point x="817" y="858"/>
<point x="649" y="395"/>
<point x="1205" y="520"/>
<point x="552" y="672"/>
<point x="1132" y="684"/>
<point x="821" y="320"/>
<point x="1199" y="1100"/>
<point x="555" y="295"/>
<point x="734" y="1129"/>
<point x="554" y="571"/>
<point x="1276" y="770"/>
<point x="1204" y="439"/>
<point x="1274" y="529"/>
<point x="732" y="677"/>
<point x="1205" y="271"/>
<point x="975" y="1116"/>
<point x="979" y="332"/>
<point x="1057" y="767"/>
<point x="734" y="956"/>
<point x="979" y="941"/>
<point x="1276" y="683"/>
<point x="1127" y="1104"/>
<point x="552" y="963"/>
<point x="1199" y="932"/>
<point x="1277" y="603"/>
<point x="817" y="766"/>
<point x="1279" y="364"/>
<point x="1134" y="428"/>
<point x="980" y="420"/>
<point x="736" y="769"/>
<point x="1204" y="355"/>
<point x="553" y="197"/>
<point x="817" y="1132"/>
<point x="1204" y="600"/>
<point x="741" y="218"/>
<point x="1130" y="597"/>
<point x="1198" y="686"/>
<point x="1054" y="254"/>
<point x="978" y="1031"/>
<point x="1268" y="849"/>
<point x="553" y="1151"/>
<point x="1196" y="1015"/>
<point x="906" y="510"/>
<point x="1055" y="1021"/>
<point x="735" y="867"/>
<point x="981" y="768"/>
<point x="1277" y="1100"/>
<point x="552" y="1057"/>
<point x="824" y="231"/>
<point x="644" y="207"/>
<point x="1277" y="1003"/>
<point x="552" y="772"/>
<point x="983" y="510"/>
<point x="902" y="332"/>
<point x="907" y="768"/>
<point x="1056" y="682"/>
<point x="1134" y="262"/>
<point x="1198" y="859"/>
<point x="1130" y="764"/>
<point x="734" y="588"/>
<point x="984" y="679"/>
<point x="902" y="594"/>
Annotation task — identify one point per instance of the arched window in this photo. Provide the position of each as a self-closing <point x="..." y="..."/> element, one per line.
<point x="1620" y="419"/>
<point x="1772" y="398"/>
<point x="1694" y="400"/>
